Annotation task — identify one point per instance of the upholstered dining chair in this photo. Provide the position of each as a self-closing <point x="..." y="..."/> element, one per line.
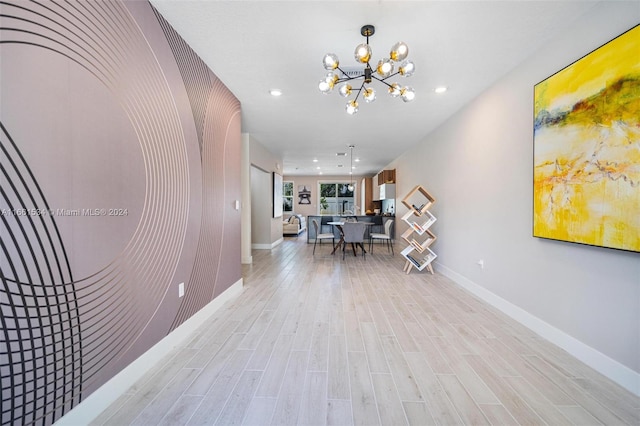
<point x="384" y="237"/>
<point x="319" y="236"/>
<point x="354" y="234"/>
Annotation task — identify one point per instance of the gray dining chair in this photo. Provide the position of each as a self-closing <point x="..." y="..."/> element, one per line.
<point x="321" y="236"/>
<point x="384" y="237"/>
<point x="354" y="233"/>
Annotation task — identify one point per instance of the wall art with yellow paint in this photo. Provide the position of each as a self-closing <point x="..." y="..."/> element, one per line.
<point x="587" y="148"/>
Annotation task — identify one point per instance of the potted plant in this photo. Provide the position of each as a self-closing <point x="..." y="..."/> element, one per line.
<point x="324" y="205"/>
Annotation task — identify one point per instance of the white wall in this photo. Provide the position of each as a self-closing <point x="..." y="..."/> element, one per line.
<point x="245" y="184"/>
<point x="270" y="233"/>
<point x="260" y="217"/>
<point x="479" y="166"/>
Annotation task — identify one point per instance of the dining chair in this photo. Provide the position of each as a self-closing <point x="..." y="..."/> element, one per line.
<point x="354" y="234"/>
<point x="384" y="237"/>
<point x="321" y="236"/>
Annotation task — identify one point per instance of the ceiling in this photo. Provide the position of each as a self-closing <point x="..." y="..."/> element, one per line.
<point x="254" y="46"/>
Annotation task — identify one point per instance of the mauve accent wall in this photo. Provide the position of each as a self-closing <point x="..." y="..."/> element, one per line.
<point x="120" y="167"/>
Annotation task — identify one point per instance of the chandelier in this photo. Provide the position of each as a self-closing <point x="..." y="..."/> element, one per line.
<point x="383" y="71"/>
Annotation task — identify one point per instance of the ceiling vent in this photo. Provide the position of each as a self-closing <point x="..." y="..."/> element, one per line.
<point x="341" y="154"/>
<point x="353" y="71"/>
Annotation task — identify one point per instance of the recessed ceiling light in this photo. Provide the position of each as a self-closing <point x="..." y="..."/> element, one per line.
<point x="357" y="160"/>
<point x="315" y="160"/>
<point x="275" y="92"/>
<point x="440" y="89"/>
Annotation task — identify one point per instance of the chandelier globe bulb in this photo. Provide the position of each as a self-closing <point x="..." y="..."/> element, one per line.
<point x="399" y="51"/>
<point x="330" y="61"/>
<point x="324" y="86"/>
<point x="345" y="90"/>
<point x="408" y="94"/>
<point x="362" y="53"/>
<point x="369" y="94"/>
<point x="395" y="90"/>
<point x="385" y="67"/>
<point x="407" y="68"/>
<point x="352" y="107"/>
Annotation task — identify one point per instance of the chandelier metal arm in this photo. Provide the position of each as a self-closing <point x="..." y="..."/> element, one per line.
<point x="359" y="90"/>
<point x="388" y="77"/>
<point x="382" y="80"/>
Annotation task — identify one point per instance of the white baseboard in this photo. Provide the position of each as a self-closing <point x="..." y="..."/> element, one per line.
<point x="621" y="374"/>
<point x="247" y="260"/>
<point x="98" y="401"/>
<point x="267" y="246"/>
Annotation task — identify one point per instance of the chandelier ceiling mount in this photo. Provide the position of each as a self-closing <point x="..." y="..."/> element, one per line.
<point x="383" y="71"/>
<point x="367" y="31"/>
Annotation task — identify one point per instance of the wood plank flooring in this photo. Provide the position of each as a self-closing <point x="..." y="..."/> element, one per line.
<point x="317" y="340"/>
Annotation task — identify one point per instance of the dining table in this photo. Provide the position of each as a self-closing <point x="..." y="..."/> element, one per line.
<point x="339" y="225"/>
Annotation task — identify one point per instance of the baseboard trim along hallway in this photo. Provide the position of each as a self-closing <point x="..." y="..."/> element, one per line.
<point x="100" y="400"/>
<point x="612" y="369"/>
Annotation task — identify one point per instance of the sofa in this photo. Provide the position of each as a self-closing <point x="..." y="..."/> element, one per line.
<point x="295" y="225"/>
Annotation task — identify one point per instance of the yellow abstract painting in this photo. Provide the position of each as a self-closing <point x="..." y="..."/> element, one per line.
<point x="587" y="149"/>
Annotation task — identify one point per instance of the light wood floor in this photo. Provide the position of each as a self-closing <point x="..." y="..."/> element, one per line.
<point x="318" y="340"/>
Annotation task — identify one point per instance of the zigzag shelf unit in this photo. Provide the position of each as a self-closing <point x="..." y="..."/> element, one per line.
<point x="418" y="254"/>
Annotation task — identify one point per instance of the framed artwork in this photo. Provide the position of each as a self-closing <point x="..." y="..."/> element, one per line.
<point x="586" y="183"/>
<point x="277" y="195"/>
<point x="304" y="195"/>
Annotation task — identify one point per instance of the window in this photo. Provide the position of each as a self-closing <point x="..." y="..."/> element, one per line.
<point x="287" y="197"/>
<point x="336" y="198"/>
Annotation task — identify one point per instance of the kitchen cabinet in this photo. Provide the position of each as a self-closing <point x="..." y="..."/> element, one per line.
<point x="387" y="191"/>
<point x="368" y="194"/>
<point x="387" y="176"/>
<point x="376" y="191"/>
